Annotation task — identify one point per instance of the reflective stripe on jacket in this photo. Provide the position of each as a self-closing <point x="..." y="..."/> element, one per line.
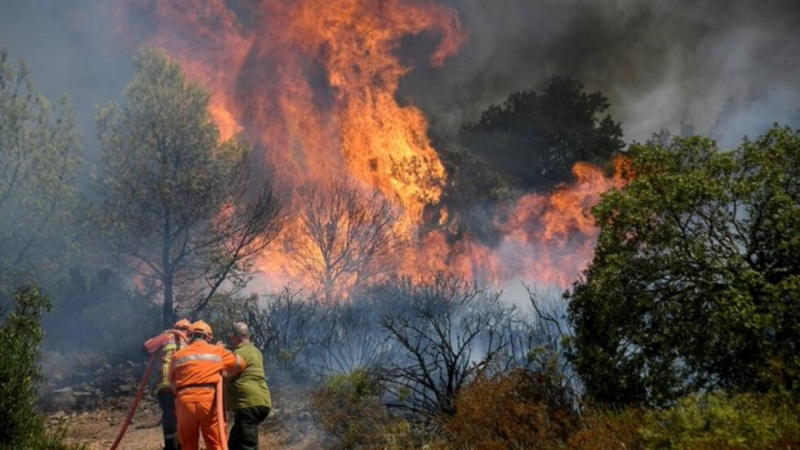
<point x="196" y="368"/>
<point x="167" y="343"/>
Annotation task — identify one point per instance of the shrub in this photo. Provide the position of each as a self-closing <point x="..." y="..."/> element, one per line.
<point x="517" y="410"/>
<point x="714" y="421"/>
<point x="610" y="430"/>
<point x="21" y="425"/>
<point x="349" y="409"/>
<point x="720" y="421"/>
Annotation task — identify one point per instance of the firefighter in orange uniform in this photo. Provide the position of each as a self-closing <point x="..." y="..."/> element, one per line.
<point x="168" y="343"/>
<point x="194" y="375"/>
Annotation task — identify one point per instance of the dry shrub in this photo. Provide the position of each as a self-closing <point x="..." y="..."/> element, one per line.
<point x="605" y="430"/>
<point x="517" y="410"/>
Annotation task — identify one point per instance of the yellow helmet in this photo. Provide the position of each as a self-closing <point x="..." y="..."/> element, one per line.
<point x="200" y="327"/>
<point x="182" y="324"/>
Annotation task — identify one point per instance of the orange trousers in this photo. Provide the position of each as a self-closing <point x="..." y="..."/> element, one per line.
<point x="195" y="417"/>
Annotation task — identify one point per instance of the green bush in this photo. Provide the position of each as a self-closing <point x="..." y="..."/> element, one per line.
<point x="349" y="409"/>
<point x="714" y="421"/>
<point x="21" y="424"/>
<point x="717" y="420"/>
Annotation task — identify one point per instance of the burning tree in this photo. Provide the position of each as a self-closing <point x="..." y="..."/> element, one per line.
<point x="316" y="84"/>
<point x="180" y="205"/>
<point x="347" y="236"/>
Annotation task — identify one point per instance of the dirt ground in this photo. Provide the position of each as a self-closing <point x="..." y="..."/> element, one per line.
<point x="98" y="429"/>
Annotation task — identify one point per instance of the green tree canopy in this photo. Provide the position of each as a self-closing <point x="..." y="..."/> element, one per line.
<point x="537" y="138"/>
<point x="40" y="158"/>
<point x="21" y="424"/>
<point x="182" y="208"/>
<point x="696" y="275"/>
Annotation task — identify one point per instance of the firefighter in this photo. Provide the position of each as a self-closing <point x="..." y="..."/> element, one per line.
<point x="194" y="374"/>
<point x="250" y="398"/>
<point x="167" y="343"/>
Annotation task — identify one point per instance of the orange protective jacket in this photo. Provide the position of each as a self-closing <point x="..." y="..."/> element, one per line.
<point x="167" y="343"/>
<point x="197" y="368"/>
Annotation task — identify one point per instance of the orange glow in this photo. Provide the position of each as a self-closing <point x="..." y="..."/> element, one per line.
<point x="548" y="239"/>
<point x="313" y="84"/>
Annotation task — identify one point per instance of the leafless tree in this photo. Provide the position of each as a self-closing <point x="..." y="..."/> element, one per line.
<point x="347" y="236"/>
<point x="549" y="340"/>
<point x="450" y="331"/>
<point x="284" y="325"/>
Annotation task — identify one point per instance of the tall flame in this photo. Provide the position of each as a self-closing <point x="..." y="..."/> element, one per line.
<point x="313" y="83"/>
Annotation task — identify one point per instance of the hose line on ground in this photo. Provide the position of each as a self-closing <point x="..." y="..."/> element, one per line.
<point x="136" y="400"/>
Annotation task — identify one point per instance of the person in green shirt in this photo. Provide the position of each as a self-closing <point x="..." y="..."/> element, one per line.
<point x="248" y="394"/>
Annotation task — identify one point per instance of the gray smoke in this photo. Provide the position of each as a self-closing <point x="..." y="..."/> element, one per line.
<point x="70" y="47"/>
<point x="728" y="68"/>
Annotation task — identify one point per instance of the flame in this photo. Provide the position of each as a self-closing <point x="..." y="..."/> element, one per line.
<point x="545" y="238"/>
<point x="313" y="83"/>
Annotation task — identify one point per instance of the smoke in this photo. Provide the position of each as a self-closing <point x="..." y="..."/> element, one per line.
<point x="70" y="47"/>
<point x="726" y="68"/>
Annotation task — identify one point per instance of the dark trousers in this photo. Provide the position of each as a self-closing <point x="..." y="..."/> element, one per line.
<point x="244" y="434"/>
<point x="169" y="423"/>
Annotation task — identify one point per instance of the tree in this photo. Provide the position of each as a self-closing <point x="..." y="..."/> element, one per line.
<point x="449" y="332"/>
<point x="40" y="157"/>
<point x="537" y="138"/>
<point x="471" y="192"/>
<point x="21" y="425"/>
<point x="347" y="236"/>
<point x="183" y="208"/>
<point x="289" y="325"/>
<point x="696" y="274"/>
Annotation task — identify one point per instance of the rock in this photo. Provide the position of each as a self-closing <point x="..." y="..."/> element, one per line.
<point x="128" y="388"/>
<point x="62" y="399"/>
<point x="56" y="418"/>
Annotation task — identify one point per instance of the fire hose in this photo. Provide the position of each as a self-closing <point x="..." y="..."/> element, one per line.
<point x="136" y="400"/>
<point x="223" y="426"/>
<point x="220" y="407"/>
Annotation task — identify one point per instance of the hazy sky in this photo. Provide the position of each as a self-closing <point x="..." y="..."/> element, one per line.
<point x="729" y="68"/>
